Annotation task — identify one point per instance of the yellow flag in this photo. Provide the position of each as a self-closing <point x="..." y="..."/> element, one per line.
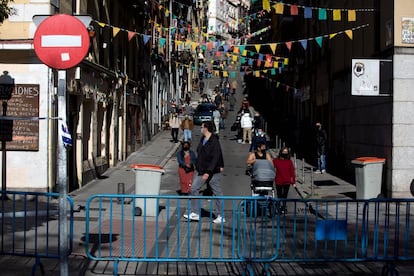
<point x="257" y="73"/>
<point x="266" y="5"/>
<point x="101" y="24"/>
<point x="332" y="35"/>
<point x="234" y="58"/>
<point x="351" y="15"/>
<point x="279" y="7"/>
<point x="244" y="53"/>
<point x="115" y="31"/>
<point x="286" y="61"/>
<point x="275" y="64"/>
<point x="337" y="15"/>
<point x="350" y="34"/>
<point x="257" y="46"/>
<point x="273" y="47"/>
<point x="225" y="74"/>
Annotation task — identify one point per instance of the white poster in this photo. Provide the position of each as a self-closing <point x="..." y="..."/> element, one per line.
<point x="365" y="77"/>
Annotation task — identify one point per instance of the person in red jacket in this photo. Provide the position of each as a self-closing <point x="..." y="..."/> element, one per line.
<point x="285" y="175"/>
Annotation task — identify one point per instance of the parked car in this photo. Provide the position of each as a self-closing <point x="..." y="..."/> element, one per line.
<point x="203" y="112"/>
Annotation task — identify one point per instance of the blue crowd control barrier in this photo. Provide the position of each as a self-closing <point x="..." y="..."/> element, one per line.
<point x="29" y="226"/>
<point x="257" y="231"/>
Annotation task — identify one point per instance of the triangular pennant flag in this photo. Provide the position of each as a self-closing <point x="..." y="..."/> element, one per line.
<point x="322" y="14"/>
<point x="307" y="12"/>
<point x="336" y="15"/>
<point x="286" y="61"/>
<point x="257" y="74"/>
<point x="260" y="57"/>
<point x="288" y="45"/>
<point x="225" y="74"/>
<point x="233" y="75"/>
<point x="236" y="50"/>
<point x="349" y="33"/>
<point x="272" y="72"/>
<point x="218" y="54"/>
<point x="257" y="46"/>
<point x="258" y="62"/>
<point x="241" y="48"/>
<point x="319" y="40"/>
<point x="146" y="38"/>
<point x="244" y="53"/>
<point x="294" y="10"/>
<point x="304" y="43"/>
<point x="242" y="60"/>
<point x="101" y="24"/>
<point x="234" y="58"/>
<point x="131" y="35"/>
<point x="275" y="64"/>
<point x="115" y="31"/>
<point x="273" y="47"/>
<point x="332" y="35"/>
<point x="266" y="5"/>
<point x="162" y="41"/>
<point x="351" y="15"/>
<point x="279" y="7"/>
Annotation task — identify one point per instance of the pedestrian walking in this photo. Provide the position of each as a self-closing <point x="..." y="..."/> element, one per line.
<point x="209" y="165"/>
<point x="174" y="124"/>
<point x="285" y="175"/>
<point x="186" y="158"/>
<point x="246" y="124"/>
<point x="216" y="120"/>
<point x="258" y="137"/>
<point x="187" y="126"/>
<point x="321" y="138"/>
<point x="232" y="101"/>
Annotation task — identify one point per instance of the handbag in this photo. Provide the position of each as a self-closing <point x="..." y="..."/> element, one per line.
<point x="234" y="127"/>
<point x="188" y="169"/>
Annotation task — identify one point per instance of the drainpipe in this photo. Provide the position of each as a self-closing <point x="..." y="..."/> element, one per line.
<point x="124" y="129"/>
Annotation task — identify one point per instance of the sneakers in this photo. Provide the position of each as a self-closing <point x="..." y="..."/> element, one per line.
<point x="219" y="219"/>
<point x="323" y="171"/>
<point x="192" y="216"/>
<point x="196" y="217"/>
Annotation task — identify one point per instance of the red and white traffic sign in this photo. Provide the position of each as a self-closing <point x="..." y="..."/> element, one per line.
<point x="61" y="41"/>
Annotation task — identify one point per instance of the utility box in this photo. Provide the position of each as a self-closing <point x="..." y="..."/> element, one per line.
<point x="368" y="176"/>
<point x="147" y="182"/>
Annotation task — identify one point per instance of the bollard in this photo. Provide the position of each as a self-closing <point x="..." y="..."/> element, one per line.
<point x="312" y="181"/>
<point x="303" y="170"/>
<point x="121" y="191"/>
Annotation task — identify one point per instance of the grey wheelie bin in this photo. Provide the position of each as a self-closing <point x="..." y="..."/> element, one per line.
<point x="368" y="176"/>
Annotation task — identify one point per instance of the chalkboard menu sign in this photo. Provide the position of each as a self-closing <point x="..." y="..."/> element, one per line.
<point x="25" y="133"/>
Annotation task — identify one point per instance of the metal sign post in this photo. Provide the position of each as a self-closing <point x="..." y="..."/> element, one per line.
<point x="6" y="91"/>
<point x="62" y="176"/>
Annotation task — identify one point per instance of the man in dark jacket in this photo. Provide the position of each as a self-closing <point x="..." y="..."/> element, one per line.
<point x="321" y="138"/>
<point x="209" y="165"/>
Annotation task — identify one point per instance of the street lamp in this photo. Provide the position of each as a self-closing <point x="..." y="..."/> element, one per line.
<point x="6" y="126"/>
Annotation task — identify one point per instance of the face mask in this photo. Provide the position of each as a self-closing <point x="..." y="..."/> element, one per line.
<point x="284" y="155"/>
<point x="201" y="130"/>
<point x="186" y="148"/>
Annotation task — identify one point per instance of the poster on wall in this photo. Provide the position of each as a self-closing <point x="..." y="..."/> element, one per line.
<point x="407" y="30"/>
<point x="365" y="77"/>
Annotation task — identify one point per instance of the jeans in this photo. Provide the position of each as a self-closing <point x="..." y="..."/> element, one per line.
<point x="187" y="135"/>
<point x="215" y="185"/>
<point x="322" y="162"/>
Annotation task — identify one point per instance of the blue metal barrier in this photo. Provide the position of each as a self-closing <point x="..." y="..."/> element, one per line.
<point x="257" y="230"/>
<point x="29" y="226"/>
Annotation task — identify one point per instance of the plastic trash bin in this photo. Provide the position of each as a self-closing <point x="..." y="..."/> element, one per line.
<point x="368" y="176"/>
<point x="147" y="182"/>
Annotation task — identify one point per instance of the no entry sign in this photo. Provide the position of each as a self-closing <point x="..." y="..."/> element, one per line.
<point x="61" y="41"/>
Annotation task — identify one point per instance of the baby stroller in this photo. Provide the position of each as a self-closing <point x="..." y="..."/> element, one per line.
<point x="262" y="176"/>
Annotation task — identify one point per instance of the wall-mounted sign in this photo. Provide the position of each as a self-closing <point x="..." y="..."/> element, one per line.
<point x="407" y="30"/>
<point x="24" y="103"/>
<point x="371" y="77"/>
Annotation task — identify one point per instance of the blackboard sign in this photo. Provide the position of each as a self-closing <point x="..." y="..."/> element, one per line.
<point x="23" y="103"/>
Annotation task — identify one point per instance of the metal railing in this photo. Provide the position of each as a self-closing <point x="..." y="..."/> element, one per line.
<point x="29" y="226"/>
<point x="257" y="230"/>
